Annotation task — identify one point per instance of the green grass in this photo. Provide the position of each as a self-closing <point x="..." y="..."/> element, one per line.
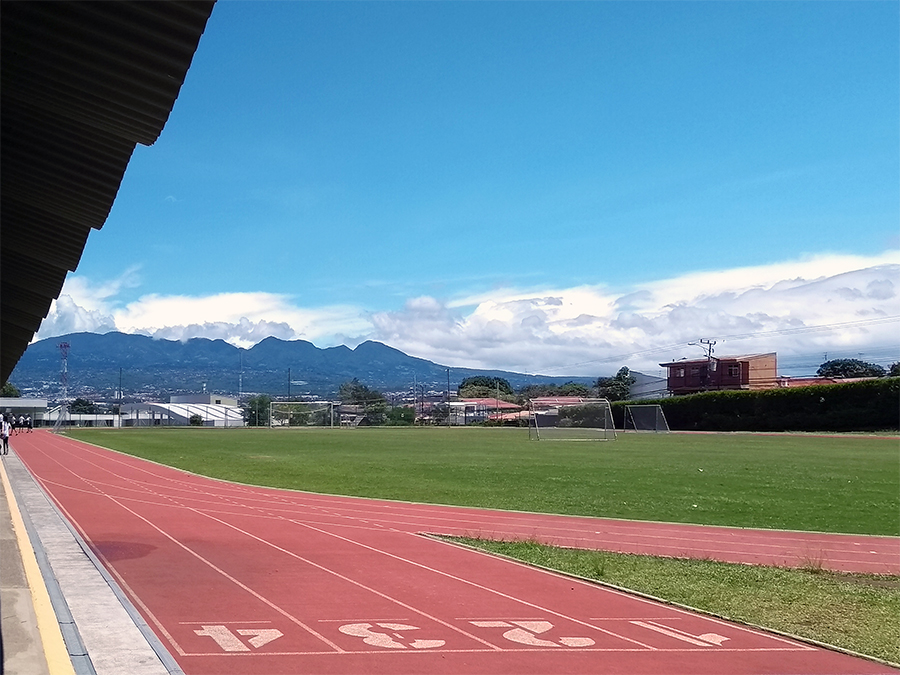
<point x="857" y="612"/>
<point x="829" y="484"/>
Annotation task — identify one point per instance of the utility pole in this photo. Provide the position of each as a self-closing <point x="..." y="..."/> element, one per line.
<point x="289" y="384"/>
<point x="448" y="397"/>
<point x="709" y="352"/>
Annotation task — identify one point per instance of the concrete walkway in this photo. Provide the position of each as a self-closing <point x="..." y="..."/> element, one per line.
<point x="62" y="614"/>
<point x="23" y="650"/>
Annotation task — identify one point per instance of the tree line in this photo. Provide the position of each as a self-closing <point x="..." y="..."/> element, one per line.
<point x="615" y="388"/>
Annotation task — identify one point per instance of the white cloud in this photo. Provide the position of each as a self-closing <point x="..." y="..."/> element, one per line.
<point x="66" y="316"/>
<point x="242" y="319"/>
<point x="593" y="330"/>
<point x="586" y="330"/>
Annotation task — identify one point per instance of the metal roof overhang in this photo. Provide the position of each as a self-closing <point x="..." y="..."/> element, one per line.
<point x="82" y="83"/>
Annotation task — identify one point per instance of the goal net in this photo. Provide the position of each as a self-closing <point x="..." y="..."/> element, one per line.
<point x="302" y="414"/>
<point x="645" y="418"/>
<point x="580" y="420"/>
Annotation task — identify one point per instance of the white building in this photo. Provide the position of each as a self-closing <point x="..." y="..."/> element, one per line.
<point x="36" y="407"/>
<point x="180" y="414"/>
<point x="204" y="399"/>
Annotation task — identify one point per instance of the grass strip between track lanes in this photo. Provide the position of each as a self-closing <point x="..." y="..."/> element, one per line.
<point x="856" y="612"/>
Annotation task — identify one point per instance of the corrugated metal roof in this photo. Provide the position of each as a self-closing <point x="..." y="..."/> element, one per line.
<point x="703" y="361"/>
<point x="82" y="83"/>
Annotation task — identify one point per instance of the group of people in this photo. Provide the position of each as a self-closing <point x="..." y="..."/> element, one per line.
<point x="13" y="425"/>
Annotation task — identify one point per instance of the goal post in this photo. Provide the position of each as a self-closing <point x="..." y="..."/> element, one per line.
<point x="581" y="420"/>
<point x="645" y="418"/>
<point x="287" y="414"/>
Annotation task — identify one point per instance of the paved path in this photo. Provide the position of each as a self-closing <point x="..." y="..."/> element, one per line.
<point x="240" y="579"/>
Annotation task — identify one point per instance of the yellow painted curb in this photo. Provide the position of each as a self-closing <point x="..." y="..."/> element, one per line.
<point x="55" y="650"/>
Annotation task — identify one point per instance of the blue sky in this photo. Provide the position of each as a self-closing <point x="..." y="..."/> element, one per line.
<point x="561" y="187"/>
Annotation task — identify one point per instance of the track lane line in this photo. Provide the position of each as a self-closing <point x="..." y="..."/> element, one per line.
<point x="427" y="568"/>
<point x="370" y="529"/>
<point x="209" y="563"/>
<point x="706" y="543"/>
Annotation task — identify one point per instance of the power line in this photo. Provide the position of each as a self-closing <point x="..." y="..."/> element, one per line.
<point x="740" y="336"/>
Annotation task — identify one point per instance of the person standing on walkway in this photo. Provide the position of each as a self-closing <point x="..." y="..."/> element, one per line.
<point x="4" y="434"/>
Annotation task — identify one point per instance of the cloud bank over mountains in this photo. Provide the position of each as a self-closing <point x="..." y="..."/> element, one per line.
<point x="803" y="309"/>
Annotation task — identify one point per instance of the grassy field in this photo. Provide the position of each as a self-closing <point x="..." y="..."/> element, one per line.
<point x="832" y="484"/>
<point x="829" y="484"/>
<point x="857" y="612"/>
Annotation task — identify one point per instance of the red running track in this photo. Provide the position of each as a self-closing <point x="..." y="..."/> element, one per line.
<point x="242" y="579"/>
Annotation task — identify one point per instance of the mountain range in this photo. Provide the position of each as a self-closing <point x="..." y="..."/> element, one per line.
<point x="96" y="365"/>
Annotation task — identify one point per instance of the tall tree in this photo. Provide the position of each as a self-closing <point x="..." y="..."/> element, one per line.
<point x="355" y="392"/>
<point x="10" y="390"/>
<point x="372" y="401"/>
<point x="541" y="390"/>
<point x="256" y="410"/>
<point x="850" y="368"/>
<point x="82" y="406"/>
<point x="483" y="385"/>
<point x="618" y="387"/>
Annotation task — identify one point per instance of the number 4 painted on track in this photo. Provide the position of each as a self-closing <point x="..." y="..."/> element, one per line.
<point x="230" y="642"/>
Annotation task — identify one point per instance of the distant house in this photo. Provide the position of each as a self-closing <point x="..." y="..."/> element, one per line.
<point x="470" y="410"/>
<point x="750" y="371"/>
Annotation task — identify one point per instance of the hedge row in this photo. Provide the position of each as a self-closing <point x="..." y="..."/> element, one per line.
<point x="857" y="406"/>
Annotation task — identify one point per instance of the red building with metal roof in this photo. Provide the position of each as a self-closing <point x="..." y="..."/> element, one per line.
<point x="750" y="371"/>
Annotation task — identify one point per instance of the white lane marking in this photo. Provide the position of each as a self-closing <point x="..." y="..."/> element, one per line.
<point x="247" y="493"/>
<point x="225" y="574"/>
<point x="262" y="637"/>
<point x="468" y="582"/>
<point x="252" y="493"/>
<point x="705" y="640"/>
<point x="348" y="579"/>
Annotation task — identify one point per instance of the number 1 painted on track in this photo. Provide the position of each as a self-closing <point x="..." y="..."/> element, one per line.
<point x="230" y="642"/>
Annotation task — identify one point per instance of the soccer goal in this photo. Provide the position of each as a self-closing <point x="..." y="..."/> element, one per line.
<point x="583" y="420"/>
<point x="286" y="414"/>
<point x="645" y="418"/>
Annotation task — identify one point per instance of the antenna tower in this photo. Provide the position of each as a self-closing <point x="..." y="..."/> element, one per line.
<point x="64" y="375"/>
<point x="64" y="378"/>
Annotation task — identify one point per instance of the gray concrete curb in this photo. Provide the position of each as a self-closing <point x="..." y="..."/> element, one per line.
<point x="103" y="631"/>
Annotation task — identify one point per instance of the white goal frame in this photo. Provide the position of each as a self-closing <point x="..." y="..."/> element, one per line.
<point x="649" y="418"/>
<point x="590" y="419"/>
<point x="301" y="414"/>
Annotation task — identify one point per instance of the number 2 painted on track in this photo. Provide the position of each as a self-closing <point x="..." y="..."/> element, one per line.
<point x="380" y="639"/>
